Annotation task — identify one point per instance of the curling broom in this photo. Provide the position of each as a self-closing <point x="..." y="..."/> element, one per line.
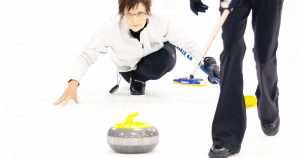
<point x="196" y="81"/>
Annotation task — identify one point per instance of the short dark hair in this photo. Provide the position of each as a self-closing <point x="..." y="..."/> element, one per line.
<point x="129" y="4"/>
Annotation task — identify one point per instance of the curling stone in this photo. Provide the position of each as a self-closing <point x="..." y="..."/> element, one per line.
<point x="132" y="137"/>
<point x="250" y="101"/>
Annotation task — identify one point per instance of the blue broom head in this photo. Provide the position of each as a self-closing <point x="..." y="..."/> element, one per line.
<point x="190" y="81"/>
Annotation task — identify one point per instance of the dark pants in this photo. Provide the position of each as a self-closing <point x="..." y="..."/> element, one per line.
<point x="229" y="122"/>
<point x="155" y="65"/>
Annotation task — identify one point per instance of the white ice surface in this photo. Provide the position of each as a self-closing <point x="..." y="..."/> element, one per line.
<point x="39" y="40"/>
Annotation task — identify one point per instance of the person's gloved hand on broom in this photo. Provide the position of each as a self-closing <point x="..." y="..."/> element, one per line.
<point x="212" y="69"/>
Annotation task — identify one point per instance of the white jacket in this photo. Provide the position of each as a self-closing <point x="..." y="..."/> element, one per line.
<point x="127" y="51"/>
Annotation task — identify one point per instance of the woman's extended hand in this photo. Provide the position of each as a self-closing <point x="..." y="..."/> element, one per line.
<point x="69" y="94"/>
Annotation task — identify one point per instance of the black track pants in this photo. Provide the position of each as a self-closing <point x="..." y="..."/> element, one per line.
<point x="229" y="122"/>
<point x="155" y="65"/>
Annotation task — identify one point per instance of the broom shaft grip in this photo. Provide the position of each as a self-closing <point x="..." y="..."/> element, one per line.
<point x="211" y="39"/>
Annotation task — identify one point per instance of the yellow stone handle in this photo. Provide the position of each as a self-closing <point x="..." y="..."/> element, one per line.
<point x="250" y="101"/>
<point x="130" y="117"/>
<point x="130" y="124"/>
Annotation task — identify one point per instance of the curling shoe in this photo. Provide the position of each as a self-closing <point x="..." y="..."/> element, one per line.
<point x="137" y="87"/>
<point x="221" y="152"/>
<point x="271" y="129"/>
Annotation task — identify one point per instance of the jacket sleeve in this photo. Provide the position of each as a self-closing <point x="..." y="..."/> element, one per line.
<point x="97" y="46"/>
<point x="182" y="42"/>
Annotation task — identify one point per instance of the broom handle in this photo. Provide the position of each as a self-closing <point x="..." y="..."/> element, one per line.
<point x="211" y="39"/>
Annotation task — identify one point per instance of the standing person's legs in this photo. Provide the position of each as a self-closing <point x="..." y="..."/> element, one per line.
<point x="229" y="122"/>
<point x="266" y="24"/>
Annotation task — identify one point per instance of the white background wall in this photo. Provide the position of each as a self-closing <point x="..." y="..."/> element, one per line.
<point x="39" y="40"/>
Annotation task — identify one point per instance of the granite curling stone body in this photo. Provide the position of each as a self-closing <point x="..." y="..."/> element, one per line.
<point x="132" y="137"/>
